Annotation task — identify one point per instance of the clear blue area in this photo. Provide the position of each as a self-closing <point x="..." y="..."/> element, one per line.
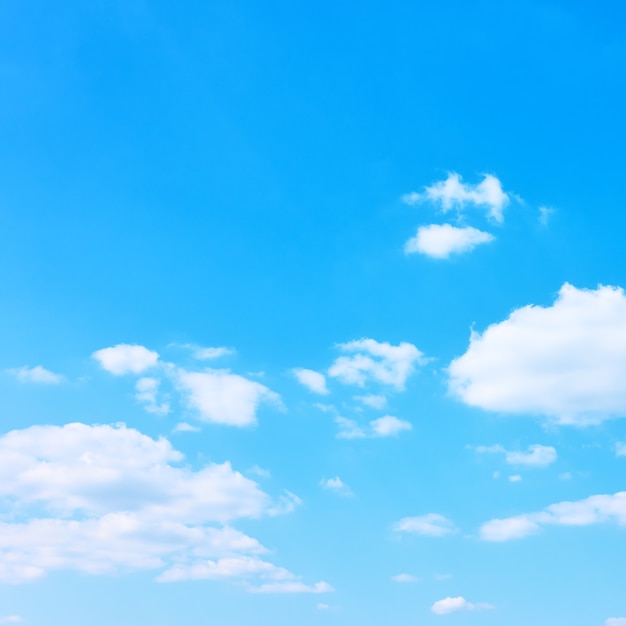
<point x="230" y="174"/>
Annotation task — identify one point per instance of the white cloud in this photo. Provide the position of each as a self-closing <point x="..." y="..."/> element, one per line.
<point x="294" y="586"/>
<point x="260" y="472"/>
<point x="207" y="354"/>
<point x="516" y="478"/>
<point x="452" y="193"/>
<point x="536" y="456"/>
<point x="373" y="401"/>
<point x="565" y="362"/>
<point x="593" y="510"/>
<point x="286" y="503"/>
<point x="453" y="605"/>
<point x="620" y="449"/>
<point x="376" y="361"/>
<point x="441" y="240"/>
<point x="108" y="499"/>
<point x="126" y="359"/>
<point x="442" y="577"/>
<point x="349" y="429"/>
<point x="11" y="619"/>
<point x="431" y="525"/>
<point x="337" y="485"/>
<point x="184" y="427"/>
<point x="615" y="621"/>
<point x="323" y="606"/>
<point x="146" y="393"/>
<point x="544" y="215"/>
<point x="37" y="374"/>
<point x="405" y="578"/>
<point x="387" y="426"/>
<point x="312" y="380"/>
<point x="239" y="567"/>
<point x="224" y="398"/>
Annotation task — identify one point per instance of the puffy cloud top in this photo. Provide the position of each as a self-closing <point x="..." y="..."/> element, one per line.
<point x="565" y="362"/>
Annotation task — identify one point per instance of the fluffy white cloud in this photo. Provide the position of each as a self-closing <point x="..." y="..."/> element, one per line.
<point x="536" y="456"/>
<point x="146" y="393"/>
<point x="224" y="398"/>
<point x="620" y="449"/>
<point x="593" y="510"/>
<point x="107" y="499"/>
<point x="126" y="359"/>
<point x="516" y="478"/>
<point x="37" y="374"/>
<point x="615" y="621"/>
<point x="441" y="240"/>
<point x="453" y="605"/>
<point x="431" y="525"/>
<point x="99" y="469"/>
<point x="312" y="380"/>
<point x="453" y="193"/>
<point x="11" y="619"/>
<point x="566" y="362"/>
<point x="405" y="578"/>
<point x="376" y="361"/>
<point x="387" y="426"/>
<point x="337" y="485"/>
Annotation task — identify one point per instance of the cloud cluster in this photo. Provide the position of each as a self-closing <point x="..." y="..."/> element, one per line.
<point x="373" y="361"/>
<point x="386" y="426"/>
<point x="215" y="395"/>
<point x="453" y="194"/>
<point x="590" y="511"/>
<point x="104" y="499"/>
<point x="565" y="362"/>
<point x="536" y="456"/>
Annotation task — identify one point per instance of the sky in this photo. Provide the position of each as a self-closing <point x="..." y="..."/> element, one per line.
<point x="312" y="313"/>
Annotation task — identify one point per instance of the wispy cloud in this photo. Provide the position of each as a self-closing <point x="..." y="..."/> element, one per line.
<point x="537" y="455"/>
<point x="37" y="374"/>
<point x="453" y="193"/>
<point x="593" y="510"/>
<point x="386" y="426"/>
<point x="430" y="525"/>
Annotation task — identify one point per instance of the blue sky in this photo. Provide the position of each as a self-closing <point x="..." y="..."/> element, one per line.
<point x="312" y="314"/>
